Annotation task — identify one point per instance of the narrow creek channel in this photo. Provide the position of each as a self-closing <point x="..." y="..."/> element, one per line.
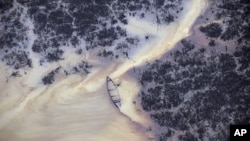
<point x="75" y="108"/>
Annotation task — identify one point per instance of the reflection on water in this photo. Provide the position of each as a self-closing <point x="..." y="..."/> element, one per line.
<point x="78" y="108"/>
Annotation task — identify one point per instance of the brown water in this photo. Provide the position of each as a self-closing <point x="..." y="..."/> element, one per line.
<point x="78" y="108"/>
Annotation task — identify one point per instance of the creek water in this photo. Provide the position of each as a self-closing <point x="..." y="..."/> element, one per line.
<point x="78" y="108"/>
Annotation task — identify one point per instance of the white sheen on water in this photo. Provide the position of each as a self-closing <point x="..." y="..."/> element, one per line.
<point x="78" y="108"/>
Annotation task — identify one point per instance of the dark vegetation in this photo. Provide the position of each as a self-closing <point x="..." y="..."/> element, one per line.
<point x="54" y="56"/>
<point x="13" y="38"/>
<point x="67" y="23"/>
<point x="82" y="68"/>
<point x="5" y="5"/>
<point x="70" y="23"/>
<point x="197" y="92"/>
<point x="202" y="92"/>
<point x="212" y="30"/>
<point x="49" y="78"/>
<point x="16" y="74"/>
<point x="97" y="22"/>
<point x="211" y="43"/>
<point x="17" y="60"/>
<point x="235" y="17"/>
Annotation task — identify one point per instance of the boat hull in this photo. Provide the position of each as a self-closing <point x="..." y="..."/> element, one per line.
<point x="113" y="92"/>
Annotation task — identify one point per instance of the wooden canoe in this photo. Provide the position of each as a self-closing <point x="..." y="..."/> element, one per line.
<point x="113" y="92"/>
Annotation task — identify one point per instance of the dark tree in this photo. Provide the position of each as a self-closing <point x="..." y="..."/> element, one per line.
<point x="212" y="30"/>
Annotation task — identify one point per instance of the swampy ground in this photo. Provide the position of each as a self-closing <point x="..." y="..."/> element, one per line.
<point x="169" y="59"/>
